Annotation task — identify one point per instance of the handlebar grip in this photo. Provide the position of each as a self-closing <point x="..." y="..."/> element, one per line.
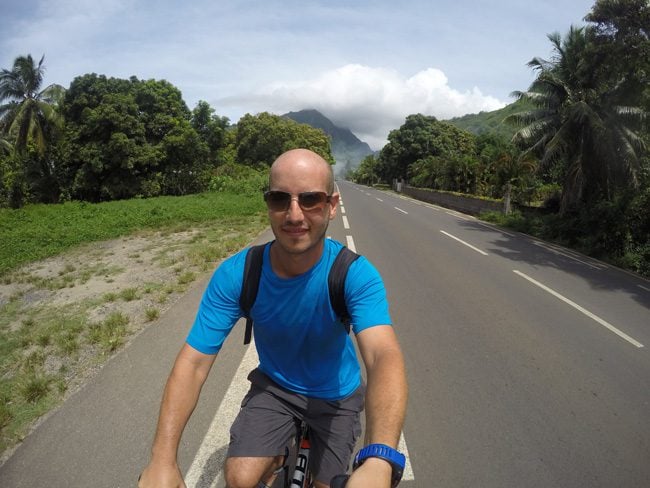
<point x="339" y="481"/>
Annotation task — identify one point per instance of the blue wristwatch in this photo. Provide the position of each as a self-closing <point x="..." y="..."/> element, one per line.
<point x="387" y="453"/>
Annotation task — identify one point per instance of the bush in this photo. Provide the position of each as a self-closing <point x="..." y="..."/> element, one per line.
<point x="236" y="178"/>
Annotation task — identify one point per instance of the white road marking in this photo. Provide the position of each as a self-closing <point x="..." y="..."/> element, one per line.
<point x="592" y="316"/>
<point x="399" y="209"/>
<point x="408" y="469"/>
<point x="206" y="469"/>
<point x="643" y="287"/>
<point x="346" y="224"/>
<point x="379" y="199"/>
<point x="368" y="194"/>
<point x="565" y="253"/>
<point x="465" y="243"/>
<point x="350" y="242"/>
<point x="342" y="209"/>
<point x="458" y="215"/>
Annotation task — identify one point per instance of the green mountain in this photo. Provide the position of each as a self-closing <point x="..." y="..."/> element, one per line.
<point x="491" y="122"/>
<point x="347" y="149"/>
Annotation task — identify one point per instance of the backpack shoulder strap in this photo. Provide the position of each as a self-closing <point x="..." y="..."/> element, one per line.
<point x="336" y="284"/>
<point x="250" y="284"/>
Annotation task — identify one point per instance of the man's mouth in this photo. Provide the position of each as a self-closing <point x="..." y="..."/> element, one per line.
<point x="295" y="231"/>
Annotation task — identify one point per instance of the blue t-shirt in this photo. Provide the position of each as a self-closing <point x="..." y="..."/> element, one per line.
<point x="301" y="343"/>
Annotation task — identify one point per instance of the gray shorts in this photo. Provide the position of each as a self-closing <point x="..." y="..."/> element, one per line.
<point x="266" y="425"/>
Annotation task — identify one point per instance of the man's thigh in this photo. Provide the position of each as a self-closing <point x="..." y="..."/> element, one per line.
<point x="266" y="422"/>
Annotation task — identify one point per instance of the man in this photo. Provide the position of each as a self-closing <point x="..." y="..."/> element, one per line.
<point x="308" y="367"/>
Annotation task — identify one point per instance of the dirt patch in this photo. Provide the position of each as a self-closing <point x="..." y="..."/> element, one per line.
<point x="72" y="312"/>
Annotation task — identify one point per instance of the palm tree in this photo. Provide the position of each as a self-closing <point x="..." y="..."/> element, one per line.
<point x="27" y="113"/>
<point x="576" y="122"/>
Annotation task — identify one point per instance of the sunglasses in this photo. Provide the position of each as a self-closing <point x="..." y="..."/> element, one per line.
<point x="280" y="201"/>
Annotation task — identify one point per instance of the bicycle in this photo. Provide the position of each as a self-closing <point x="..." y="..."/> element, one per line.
<point x="302" y="477"/>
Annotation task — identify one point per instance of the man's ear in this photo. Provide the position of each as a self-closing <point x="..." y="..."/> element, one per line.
<point x="334" y="204"/>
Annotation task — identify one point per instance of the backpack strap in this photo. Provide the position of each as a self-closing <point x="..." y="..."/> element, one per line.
<point x="252" y="274"/>
<point x="336" y="284"/>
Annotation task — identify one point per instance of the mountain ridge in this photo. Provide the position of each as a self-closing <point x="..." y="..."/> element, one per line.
<point x="347" y="149"/>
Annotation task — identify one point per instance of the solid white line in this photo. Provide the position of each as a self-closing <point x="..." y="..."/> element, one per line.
<point x="602" y="322"/>
<point x="350" y="242"/>
<point x="465" y="243"/>
<point x="205" y="466"/>
<point x="459" y="215"/>
<point x="564" y="253"/>
<point x="399" y="209"/>
<point x="346" y="224"/>
<point x="643" y="287"/>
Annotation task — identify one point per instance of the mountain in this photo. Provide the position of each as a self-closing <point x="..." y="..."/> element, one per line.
<point x="347" y="149"/>
<point x="491" y="122"/>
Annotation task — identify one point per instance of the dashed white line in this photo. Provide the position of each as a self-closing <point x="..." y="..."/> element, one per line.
<point x="592" y="316"/>
<point x="342" y="209"/>
<point x="465" y="243"/>
<point x="379" y="199"/>
<point x="400" y="210"/>
<point x="346" y="224"/>
<point x="350" y="242"/>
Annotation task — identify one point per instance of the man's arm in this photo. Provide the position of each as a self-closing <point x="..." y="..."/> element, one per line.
<point x="386" y="397"/>
<point x="179" y="399"/>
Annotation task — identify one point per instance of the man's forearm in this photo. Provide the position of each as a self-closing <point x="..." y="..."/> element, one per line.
<point x="386" y="398"/>
<point x="179" y="400"/>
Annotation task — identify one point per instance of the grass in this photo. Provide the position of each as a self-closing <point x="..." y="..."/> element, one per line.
<point x="39" y="231"/>
<point x="44" y="348"/>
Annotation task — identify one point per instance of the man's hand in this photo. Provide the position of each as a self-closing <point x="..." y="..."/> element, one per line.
<point x="373" y="472"/>
<point x="161" y="476"/>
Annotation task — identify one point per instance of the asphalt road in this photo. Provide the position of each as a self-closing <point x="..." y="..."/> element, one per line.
<point x="524" y="363"/>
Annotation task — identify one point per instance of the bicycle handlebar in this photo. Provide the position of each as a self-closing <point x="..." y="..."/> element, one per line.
<point x="339" y="481"/>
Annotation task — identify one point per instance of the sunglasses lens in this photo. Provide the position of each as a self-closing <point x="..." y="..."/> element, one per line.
<point x="277" y="200"/>
<point x="280" y="201"/>
<point x="312" y="199"/>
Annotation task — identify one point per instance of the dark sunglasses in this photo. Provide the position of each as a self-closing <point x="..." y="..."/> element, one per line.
<point x="280" y="201"/>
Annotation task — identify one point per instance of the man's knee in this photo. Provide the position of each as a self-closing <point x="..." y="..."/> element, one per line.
<point x="246" y="472"/>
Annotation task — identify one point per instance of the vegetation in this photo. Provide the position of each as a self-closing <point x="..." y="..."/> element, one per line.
<point x="580" y="144"/>
<point x="47" y="347"/>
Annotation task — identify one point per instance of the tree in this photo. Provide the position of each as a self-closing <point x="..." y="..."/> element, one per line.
<point x="576" y="122"/>
<point x="130" y="137"/>
<point x="262" y="138"/>
<point x="366" y="173"/>
<point x="27" y="111"/>
<point x="211" y="128"/>
<point x="419" y="138"/>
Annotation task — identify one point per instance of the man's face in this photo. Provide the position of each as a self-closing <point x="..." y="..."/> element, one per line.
<point x="298" y="230"/>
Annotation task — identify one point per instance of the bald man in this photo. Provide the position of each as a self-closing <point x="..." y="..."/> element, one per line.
<point x="308" y="368"/>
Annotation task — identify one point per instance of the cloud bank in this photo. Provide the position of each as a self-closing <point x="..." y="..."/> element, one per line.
<point x="369" y="101"/>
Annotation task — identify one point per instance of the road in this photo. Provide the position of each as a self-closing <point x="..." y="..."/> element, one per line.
<point x="529" y="365"/>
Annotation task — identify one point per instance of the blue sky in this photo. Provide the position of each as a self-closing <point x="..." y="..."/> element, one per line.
<point x="365" y="64"/>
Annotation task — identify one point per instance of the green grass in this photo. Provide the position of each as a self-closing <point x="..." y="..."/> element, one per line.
<point x="39" y="231"/>
<point x="41" y="346"/>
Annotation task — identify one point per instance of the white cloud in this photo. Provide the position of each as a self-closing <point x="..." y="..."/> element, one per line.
<point x="369" y="101"/>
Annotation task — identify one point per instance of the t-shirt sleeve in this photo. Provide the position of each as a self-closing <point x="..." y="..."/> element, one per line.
<point x="219" y="308"/>
<point x="365" y="296"/>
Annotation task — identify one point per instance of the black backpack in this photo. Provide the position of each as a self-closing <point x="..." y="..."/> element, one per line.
<point x="335" y="282"/>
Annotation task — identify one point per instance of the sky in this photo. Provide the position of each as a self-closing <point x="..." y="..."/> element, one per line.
<point x="364" y="64"/>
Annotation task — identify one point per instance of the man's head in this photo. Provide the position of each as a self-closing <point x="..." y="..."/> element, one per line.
<point x="301" y="201"/>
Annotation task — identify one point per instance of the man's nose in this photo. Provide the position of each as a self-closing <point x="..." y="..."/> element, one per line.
<point x="294" y="212"/>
